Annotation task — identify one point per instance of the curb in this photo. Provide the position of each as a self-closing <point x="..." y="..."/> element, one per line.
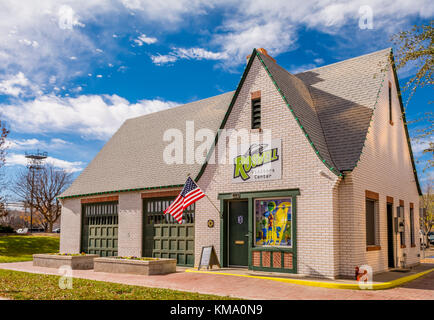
<point x="325" y="284"/>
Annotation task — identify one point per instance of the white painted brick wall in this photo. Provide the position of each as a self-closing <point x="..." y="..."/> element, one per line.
<point x="70" y="226"/>
<point x="130" y="224"/>
<point x="331" y="234"/>
<point x="316" y="208"/>
<point x="385" y="168"/>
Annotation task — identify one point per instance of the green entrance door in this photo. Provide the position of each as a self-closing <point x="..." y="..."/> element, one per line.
<point x="100" y="229"/>
<point x="163" y="236"/>
<point x="238" y="233"/>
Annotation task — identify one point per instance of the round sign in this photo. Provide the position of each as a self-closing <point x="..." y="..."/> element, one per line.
<point x="210" y="223"/>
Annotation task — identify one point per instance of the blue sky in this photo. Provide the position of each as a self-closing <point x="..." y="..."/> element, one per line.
<point x="72" y="71"/>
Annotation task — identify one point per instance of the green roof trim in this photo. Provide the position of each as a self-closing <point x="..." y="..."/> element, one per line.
<point x="392" y="60"/>
<point x="329" y="166"/>
<point x="119" y="191"/>
<point x="228" y="112"/>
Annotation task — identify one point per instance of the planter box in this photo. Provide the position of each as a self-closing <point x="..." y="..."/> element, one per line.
<point x="81" y="262"/>
<point x="143" y="267"/>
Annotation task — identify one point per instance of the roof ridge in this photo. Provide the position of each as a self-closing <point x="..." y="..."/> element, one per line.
<point x="324" y="155"/>
<point x="346" y="60"/>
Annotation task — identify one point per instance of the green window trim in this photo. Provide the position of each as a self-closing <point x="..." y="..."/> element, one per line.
<point x="250" y="196"/>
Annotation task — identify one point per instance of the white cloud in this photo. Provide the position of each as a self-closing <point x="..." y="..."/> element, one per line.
<point x="419" y="145"/>
<point x="14" y="159"/>
<point x="242" y="36"/>
<point x="297" y="69"/>
<point x="91" y="116"/>
<point x="33" y="143"/>
<point x="319" y="60"/>
<point x="169" y="12"/>
<point x="189" y="54"/>
<point x="68" y="18"/>
<point x="29" y="43"/>
<point x="199" y="54"/>
<point x="144" y="39"/>
<point x="163" y="59"/>
<point x="41" y="38"/>
<point x="17" y="85"/>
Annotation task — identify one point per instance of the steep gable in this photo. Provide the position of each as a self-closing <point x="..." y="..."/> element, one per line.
<point x="345" y="95"/>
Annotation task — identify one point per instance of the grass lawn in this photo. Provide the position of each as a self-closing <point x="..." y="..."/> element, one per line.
<point x="24" y="286"/>
<point x="21" y="248"/>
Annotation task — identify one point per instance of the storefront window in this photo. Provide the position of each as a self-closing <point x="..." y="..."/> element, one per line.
<point x="273" y="222"/>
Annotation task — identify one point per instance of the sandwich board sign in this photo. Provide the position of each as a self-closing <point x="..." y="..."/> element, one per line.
<point x="208" y="258"/>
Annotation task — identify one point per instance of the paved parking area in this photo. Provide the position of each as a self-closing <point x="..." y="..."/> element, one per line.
<point x="248" y="288"/>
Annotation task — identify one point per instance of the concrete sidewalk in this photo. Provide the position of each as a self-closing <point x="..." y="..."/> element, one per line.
<point x="243" y="287"/>
<point x="378" y="278"/>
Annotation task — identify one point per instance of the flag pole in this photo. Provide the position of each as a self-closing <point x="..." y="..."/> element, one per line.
<point x="188" y="175"/>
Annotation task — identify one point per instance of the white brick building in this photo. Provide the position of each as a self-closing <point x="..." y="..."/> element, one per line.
<point x="328" y="201"/>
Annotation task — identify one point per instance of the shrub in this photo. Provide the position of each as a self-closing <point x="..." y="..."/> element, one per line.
<point x="6" y="229"/>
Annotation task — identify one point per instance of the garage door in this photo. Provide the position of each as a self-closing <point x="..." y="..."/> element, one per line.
<point x="100" y="229"/>
<point x="163" y="236"/>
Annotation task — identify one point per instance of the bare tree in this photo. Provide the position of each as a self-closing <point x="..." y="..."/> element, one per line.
<point x="43" y="187"/>
<point x="3" y="134"/>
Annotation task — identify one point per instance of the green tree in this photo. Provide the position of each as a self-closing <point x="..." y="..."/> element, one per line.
<point x="416" y="46"/>
<point x="427" y="218"/>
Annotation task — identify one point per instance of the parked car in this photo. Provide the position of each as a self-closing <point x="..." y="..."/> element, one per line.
<point x="431" y="237"/>
<point x="57" y="230"/>
<point x="23" y="230"/>
<point x="423" y="241"/>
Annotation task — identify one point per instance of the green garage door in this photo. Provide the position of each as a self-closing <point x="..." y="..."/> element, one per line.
<point x="163" y="236"/>
<point x="100" y="229"/>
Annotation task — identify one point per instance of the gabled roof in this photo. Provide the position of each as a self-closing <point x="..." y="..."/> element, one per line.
<point x="332" y="104"/>
<point x="345" y="95"/>
<point x="133" y="158"/>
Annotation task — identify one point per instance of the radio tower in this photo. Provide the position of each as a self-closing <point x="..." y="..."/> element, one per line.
<point x="35" y="161"/>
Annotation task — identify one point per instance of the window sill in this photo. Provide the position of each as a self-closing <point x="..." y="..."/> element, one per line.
<point x="413" y="246"/>
<point x="272" y="248"/>
<point x="403" y="246"/>
<point x="373" y="248"/>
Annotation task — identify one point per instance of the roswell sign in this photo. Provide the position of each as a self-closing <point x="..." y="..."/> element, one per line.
<point x="258" y="162"/>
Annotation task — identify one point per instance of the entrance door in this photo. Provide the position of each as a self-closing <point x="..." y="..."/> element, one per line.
<point x="390" y="247"/>
<point x="238" y="231"/>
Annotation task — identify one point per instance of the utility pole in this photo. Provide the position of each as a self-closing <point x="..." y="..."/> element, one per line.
<point x="35" y="162"/>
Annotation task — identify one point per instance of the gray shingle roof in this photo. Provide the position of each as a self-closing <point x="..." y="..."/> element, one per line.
<point x="333" y="103"/>
<point x="344" y="95"/>
<point x="133" y="157"/>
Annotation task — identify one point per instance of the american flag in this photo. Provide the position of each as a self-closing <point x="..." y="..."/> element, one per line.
<point x="189" y="194"/>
